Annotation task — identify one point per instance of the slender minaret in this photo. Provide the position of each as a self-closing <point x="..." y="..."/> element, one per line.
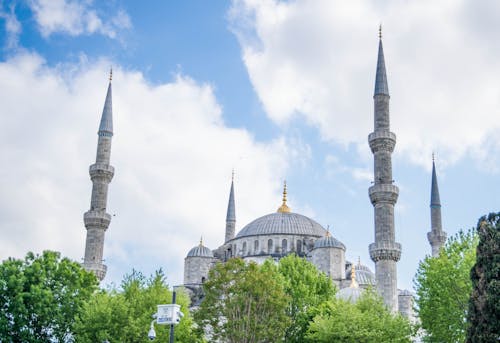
<point x="101" y="172"/>
<point x="231" y="213"/>
<point x="436" y="236"/>
<point x="385" y="252"/>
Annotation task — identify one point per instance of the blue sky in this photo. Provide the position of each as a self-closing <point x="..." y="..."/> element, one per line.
<point x="276" y="90"/>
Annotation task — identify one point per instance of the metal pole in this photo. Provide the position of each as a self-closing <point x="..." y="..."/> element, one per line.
<point x="172" y="325"/>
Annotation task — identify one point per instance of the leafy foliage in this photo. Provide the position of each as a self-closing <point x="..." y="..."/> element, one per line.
<point x="366" y="321"/>
<point x="484" y="304"/>
<point x="124" y="315"/>
<point x="307" y="288"/>
<point x="40" y="297"/>
<point x="243" y="303"/>
<point x="443" y="289"/>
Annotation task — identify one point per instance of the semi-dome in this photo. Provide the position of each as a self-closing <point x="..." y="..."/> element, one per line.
<point x="286" y="223"/>
<point x="364" y="276"/>
<point x="200" y="251"/>
<point x="328" y="242"/>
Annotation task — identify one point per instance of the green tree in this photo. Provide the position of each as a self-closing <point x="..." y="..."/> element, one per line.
<point x="40" y="297"/>
<point x="124" y="315"/>
<point x="244" y="303"/>
<point x="484" y="303"/>
<point x="443" y="289"/>
<point x="307" y="288"/>
<point x="366" y="321"/>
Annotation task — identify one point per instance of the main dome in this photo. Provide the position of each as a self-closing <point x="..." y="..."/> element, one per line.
<point x="283" y="223"/>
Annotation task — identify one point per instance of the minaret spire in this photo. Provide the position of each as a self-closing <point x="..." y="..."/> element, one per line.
<point x="101" y="172"/>
<point x="385" y="252"/>
<point x="231" y="212"/>
<point x="436" y="236"/>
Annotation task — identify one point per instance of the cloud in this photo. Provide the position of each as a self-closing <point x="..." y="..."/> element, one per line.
<point x="316" y="60"/>
<point x="13" y="27"/>
<point x="172" y="152"/>
<point x="75" y="18"/>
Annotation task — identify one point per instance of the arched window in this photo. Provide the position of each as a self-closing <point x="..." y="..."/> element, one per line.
<point x="203" y="279"/>
<point x="256" y="246"/>
<point x="270" y="246"/>
<point x="299" y="246"/>
<point x="244" y="248"/>
<point x="234" y="250"/>
<point x="284" y="245"/>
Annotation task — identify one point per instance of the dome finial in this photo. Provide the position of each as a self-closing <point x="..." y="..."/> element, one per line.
<point x="201" y="241"/>
<point x="354" y="284"/>
<point x="359" y="260"/>
<point x="284" y="208"/>
<point x="328" y="231"/>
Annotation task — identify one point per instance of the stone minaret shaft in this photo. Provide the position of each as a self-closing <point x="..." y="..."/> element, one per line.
<point x="101" y="172"/>
<point x="231" y="214"/>
<point x="385" y="252"/>
<point x="436" y="236"/>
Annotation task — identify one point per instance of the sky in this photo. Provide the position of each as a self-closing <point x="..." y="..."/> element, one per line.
<point x="276" y="90"/>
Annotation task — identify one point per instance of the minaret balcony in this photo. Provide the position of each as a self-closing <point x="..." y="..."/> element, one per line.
<point x="98" y="269"/>
<point x="382" y="140"/>
<point x="101" y="170"/>
<point x="385" y="250"/>
<point x="436" y="237"/>
<point x="383" y="193"/>
<point x="96" y="219"/>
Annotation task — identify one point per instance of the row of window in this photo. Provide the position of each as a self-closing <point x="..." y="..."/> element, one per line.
<point x="245" y="250"/>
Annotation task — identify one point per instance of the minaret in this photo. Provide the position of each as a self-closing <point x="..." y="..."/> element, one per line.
<point x="436" y="236"/>
<point x="231" y="213"/>
<point x="385" y="252"/>
<point x="101" y="172"/>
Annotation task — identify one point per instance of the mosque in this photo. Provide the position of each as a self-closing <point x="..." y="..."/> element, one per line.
<point x="284" y="232"/>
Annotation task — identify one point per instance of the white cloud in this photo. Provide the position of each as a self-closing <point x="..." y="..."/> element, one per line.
<point x="172" y="152"/>
<point x="317" y="59"/>
<point x="76" y="17"/>
<point x="13" y="27"/>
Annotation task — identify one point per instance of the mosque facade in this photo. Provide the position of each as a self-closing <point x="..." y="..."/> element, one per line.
<point x="284" y="232"/>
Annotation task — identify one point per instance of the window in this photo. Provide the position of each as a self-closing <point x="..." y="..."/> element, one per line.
<point x="270" y="246"/>
<point x="244" y="248"/>
<point x="299" y="246"/>
<point x="256" y="247"/>
<point x="284" y="246"/>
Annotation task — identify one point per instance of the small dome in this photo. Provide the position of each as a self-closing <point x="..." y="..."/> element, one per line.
<point x="364" y="276"/>
<point x="328" y="242"/>
<point x="200" y="251"/>
<point x="284" y="223"/>
<point x="351" y="294"/>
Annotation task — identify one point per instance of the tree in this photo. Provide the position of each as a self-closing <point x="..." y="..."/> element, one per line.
<point x="307" y="288"/>
<point x="40" y="297"/>
<point x="443" y="288"/>
<point x="366" y="321"/>
<point x="244" y="303"/>
<point x="124" y="315"/>
<point x="484" y="303"/>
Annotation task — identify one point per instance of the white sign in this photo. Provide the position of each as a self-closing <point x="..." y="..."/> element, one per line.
<point x="168" y="314"/>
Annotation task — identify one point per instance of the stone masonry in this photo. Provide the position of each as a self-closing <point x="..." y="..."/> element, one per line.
<point x="385" y="252"/>
<point x="101" y="172"/>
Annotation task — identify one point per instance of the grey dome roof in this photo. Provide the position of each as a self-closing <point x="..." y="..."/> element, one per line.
<point x="328" y="242"/>
<point x="364" y="276"/>
<point x="282" y="223"/>
<point x="200" y="251"/>
<point x="351" y="294"/>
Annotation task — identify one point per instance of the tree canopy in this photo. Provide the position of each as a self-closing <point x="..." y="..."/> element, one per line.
<point x="243" y="303"/>
<point x="40" y="297"/>
<point x="443" y="288"/>
<point x="484" y="303"/>
<point x="124" y="315"/>
<point x="306" y="288"/>
<point x="366" y="321"/>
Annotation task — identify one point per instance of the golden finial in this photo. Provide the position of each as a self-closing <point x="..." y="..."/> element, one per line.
<point x="110" y="74"/>
<point x="354" y="284"/>
<point x="380" y="31"/>
<point x="359" y="260"/>
<point x="328" y="231"/>
<point x="201" y="241"/>
<point x="284" y="208"/>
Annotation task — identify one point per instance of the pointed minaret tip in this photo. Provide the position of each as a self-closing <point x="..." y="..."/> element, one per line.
<point x="110" y="74"/>
<point x="435" y="199"/>
<point x="284" y="207"/>
<point x="381" y="86"/>
<point x="231" y="210"/>
<point x="106" y="125"/>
